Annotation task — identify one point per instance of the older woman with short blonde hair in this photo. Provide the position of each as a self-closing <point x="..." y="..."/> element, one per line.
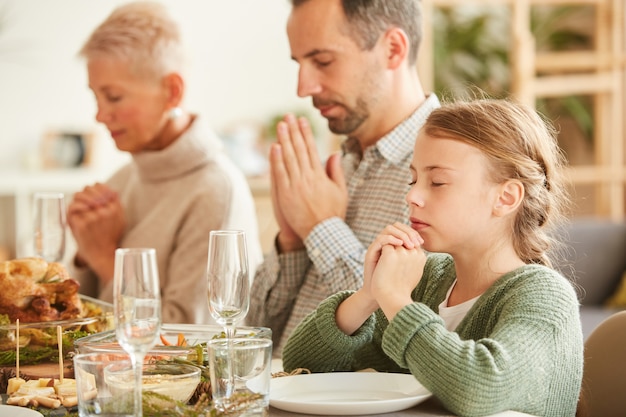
<point x="179" y="185"/>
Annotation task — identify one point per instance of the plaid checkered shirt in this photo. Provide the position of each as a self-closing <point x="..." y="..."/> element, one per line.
<point x="289" y="286"/>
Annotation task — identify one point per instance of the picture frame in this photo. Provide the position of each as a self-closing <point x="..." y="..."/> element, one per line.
<point x="66" y="149"/>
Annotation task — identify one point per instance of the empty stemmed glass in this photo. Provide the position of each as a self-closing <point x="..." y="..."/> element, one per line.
<point x="49" y="226"/>
<point x="228" y="285"/>
<point x="228" y="278"/>
<point x="137" y="307"/>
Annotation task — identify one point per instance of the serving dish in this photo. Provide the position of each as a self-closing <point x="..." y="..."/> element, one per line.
<point x="194" y="337"/>
<point x="179" y="344"/>
<point x="38" y="340"/>
<point x="175" y="381"/>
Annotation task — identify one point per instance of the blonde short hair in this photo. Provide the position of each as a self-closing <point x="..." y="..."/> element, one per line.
<point x="143" y="35"/>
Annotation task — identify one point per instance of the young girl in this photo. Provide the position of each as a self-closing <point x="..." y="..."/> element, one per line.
<point x="482" y="320"/>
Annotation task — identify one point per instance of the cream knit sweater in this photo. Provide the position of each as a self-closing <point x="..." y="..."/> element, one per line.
<point x="172" y="198"/>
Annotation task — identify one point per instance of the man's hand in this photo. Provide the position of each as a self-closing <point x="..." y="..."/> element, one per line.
<point x="304" y="192"/>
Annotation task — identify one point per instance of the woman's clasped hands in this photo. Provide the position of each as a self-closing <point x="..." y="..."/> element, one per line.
<point x="96" y="218"/>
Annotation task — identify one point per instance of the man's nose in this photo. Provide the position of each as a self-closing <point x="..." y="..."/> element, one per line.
<point x="308" y="83"/>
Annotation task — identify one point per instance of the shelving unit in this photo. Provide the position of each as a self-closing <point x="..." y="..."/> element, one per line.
<point x="599" y="73"/>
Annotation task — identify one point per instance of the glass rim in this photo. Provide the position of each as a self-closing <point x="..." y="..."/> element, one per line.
<point x="49" y="194"/>
<point x="241" y="342"/>
<point x="225" y="232"/>
<point x="101" y="357"/>
<point x="134" y="250"/>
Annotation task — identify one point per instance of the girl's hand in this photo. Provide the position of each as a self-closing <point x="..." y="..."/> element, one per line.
<point x="395" y="276"/>
<point x="353" y="312"/>
<point x="399" y="235"/>
<point x="394" y="264"/>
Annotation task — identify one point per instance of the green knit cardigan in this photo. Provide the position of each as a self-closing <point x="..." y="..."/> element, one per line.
<point x="520" y="347"/>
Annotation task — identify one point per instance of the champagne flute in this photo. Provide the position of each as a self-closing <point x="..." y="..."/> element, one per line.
<point x="137" y="307"/>
<point x="228" y="278"/>
<point x="49" y="226"/>
<point x="228" y="286"/>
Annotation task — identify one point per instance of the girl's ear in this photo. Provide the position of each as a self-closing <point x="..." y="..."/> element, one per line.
<point x="174" y="86"/>
<point x="396" y="47"/>
<point x="509" y="198"/>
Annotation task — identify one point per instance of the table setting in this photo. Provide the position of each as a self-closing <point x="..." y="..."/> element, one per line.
<point x="126" y="362"/>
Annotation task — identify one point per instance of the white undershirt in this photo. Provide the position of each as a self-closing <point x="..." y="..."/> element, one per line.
<point x="452" y="316"/>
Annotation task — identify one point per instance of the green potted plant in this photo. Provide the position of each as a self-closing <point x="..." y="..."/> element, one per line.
<point x="471" y="52"/>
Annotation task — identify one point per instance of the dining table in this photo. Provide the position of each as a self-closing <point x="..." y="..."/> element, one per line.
<point x="429" y="408"/>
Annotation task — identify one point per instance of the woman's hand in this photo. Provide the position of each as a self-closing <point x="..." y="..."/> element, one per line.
<point x="96" y="218"/>
<point x="91" y="197"/>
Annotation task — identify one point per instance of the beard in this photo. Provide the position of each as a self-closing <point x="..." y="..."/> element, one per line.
<point x="347" y="124"/>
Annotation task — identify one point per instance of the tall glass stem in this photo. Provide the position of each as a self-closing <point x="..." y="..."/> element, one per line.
<point x="137" y="359"/>
<point x="230" y="335"/>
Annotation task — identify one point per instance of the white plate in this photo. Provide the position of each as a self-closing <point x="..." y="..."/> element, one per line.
<point x="17" y="411"/>
<point x="346" y="393"/>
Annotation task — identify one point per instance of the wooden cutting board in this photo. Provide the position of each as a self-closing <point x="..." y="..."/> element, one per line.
<point x="27" y="372"/>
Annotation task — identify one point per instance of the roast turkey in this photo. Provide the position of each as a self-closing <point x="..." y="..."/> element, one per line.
<point x="34" y="290"/>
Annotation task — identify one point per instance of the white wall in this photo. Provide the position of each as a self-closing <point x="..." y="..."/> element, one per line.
<point x="240" y="71"/>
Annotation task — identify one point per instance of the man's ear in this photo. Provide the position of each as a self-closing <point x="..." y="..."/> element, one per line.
<point x="174" y="89"/>
<point x="396" y="47"/>
<point x="509" y="198"/>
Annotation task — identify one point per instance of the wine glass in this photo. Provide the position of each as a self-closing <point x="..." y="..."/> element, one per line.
<point x="49" y="226"/>
<point x="137" y="307"/>
<point x="228" y="278"/>
<point x="228" y="286"/>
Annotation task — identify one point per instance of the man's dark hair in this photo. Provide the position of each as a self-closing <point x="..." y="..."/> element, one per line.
<point x="369" y="19"/>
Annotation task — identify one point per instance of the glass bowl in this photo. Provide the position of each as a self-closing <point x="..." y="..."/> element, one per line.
<point x="176" y="381"/>
<point x="179" y="344"/>
<point x="180" y="341"/>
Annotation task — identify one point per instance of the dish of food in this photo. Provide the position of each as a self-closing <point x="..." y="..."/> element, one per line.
<point x="178" y="343"/>
<point x="175" y="339"/>
<point x="175" y="381"/>
<point x="45" y="299"/>
<point x="346" y="393"/>
<point x="38" y="340"/>
<point x="42" y="296"/>
<point x="34" y="290"/>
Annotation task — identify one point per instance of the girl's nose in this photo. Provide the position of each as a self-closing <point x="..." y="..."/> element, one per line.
<point x="415" y="197"/>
